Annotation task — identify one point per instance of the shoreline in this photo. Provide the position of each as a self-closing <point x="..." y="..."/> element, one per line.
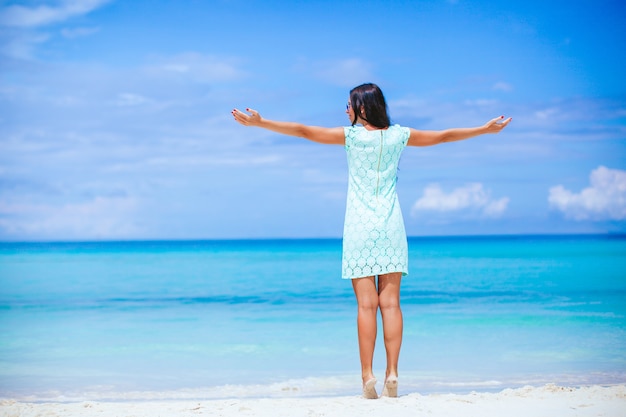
<point x="547" y="400"/>
<point x="329" y="386"/>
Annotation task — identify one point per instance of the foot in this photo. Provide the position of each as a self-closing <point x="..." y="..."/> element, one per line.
<point x="391" y="387"/>
<point x="369" y="389"/>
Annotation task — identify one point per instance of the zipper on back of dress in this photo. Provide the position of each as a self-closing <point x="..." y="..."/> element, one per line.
<point x="380" y="157"/>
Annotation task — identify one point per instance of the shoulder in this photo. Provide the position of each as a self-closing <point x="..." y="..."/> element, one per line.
<point x="401" y="131"/>
<point x="352" y="130"/>
<point x="351" y="133"/>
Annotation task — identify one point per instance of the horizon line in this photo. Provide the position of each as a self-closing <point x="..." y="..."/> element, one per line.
<point x="260" y="239"/>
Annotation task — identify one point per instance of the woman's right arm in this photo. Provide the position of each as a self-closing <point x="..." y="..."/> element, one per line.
<point x="327" y="135"/>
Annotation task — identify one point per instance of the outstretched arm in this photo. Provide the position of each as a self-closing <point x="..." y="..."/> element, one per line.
<point x="331" y="136"/>
<point x="434" y="137"/>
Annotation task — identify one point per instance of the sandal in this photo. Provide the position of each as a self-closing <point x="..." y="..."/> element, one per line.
<point x="391" y="387"/>
<point x="369" y="389"/>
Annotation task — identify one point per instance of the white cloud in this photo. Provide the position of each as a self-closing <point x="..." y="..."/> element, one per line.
<point x="21" y="45"/>
<point x="79" y="32"/>
<point x="503" y="86"/>
<point x="604" y="199"/>
<point x="102" y="217"/>
<point x="345" y="73"/>
<point x="471" y="197"/>
<point x="130" y="99"/>
<point x="198" y="68"/>
<point x="28" y="17"/>
<point x="23" y="23"/>
<point x="547" y="113"/>
<point x="482" y="102"/>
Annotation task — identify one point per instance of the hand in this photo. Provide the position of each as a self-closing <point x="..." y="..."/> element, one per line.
<point x="496" y="125"/>
<point x="252" y="119"/>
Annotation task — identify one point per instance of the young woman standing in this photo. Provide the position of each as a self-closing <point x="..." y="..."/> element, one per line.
<point x="375" y="252"/>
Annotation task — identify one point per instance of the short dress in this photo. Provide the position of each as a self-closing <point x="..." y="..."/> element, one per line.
<point x="374" y="238"/>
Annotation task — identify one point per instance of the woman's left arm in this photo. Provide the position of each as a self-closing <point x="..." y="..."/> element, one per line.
<point x="435" y="137"/>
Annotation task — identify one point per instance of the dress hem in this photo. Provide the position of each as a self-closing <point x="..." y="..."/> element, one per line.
<point x="404" y="274"/>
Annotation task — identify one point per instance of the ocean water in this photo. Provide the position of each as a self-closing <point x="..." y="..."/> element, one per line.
<point x="258" y="318"/>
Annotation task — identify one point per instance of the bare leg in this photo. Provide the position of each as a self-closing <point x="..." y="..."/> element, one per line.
<point x="367" y="300"/>
<point x="389" y="301"/>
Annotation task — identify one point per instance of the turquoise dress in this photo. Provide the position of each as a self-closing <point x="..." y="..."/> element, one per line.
<point x="374" y="238"/>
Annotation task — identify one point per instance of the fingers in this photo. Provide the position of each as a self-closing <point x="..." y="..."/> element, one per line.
<point x="502" y="123"/>
<point x="245" y="119"/>
<point x="498" y="123"/>
<point x="496" y="120"/>
<point x="240" y="116"/>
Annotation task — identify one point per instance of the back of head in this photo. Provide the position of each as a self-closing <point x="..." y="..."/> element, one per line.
<point x="369" y="97"/>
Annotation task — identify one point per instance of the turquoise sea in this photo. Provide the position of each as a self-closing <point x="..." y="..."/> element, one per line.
<point x="259" y="318"/>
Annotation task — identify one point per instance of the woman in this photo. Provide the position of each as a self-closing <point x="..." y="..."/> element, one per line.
<point x="374" y="240"/>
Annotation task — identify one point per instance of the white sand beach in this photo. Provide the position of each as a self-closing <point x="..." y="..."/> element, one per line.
<point x="548" y="400"/>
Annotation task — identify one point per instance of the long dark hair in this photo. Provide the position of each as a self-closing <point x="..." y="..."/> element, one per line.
<point x="371" y="98"/>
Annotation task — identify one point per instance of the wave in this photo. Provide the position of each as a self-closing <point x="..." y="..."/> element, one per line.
<point x="325" y="386"/>
<point x="548" y="299"/>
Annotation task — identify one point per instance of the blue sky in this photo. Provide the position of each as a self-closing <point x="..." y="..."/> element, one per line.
<point x="115" y="115"/>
